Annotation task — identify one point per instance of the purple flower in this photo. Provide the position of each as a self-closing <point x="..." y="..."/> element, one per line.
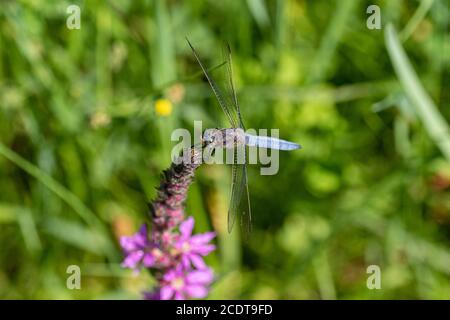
<point x="137" y="249"/>
<point x="180" y="285"/>
<point x="193" y="247"/>
<point x="152" y="295"/>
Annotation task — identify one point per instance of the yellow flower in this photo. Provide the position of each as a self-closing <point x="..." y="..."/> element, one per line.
<point x="163" y="107"/>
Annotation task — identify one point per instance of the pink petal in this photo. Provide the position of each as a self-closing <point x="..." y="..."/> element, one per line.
<point x="197" y="261"/>
<point x="140" y="238"/>
<point x="127" y="243"/>
<point x="186" y="227"/>
<point x="179" y="296"/>
<point x="153" y="295"/>
<point x="186" y="261"/>
<point x="148" y="260"/>
<point x="170" y="275"/>
<point x="137" y="241"/>
<point x="166" y="293"/>
<point x="200" y="277"/>
<point x="205" y="249"/>
<point x="203" y="238"/>
<point x="133" y="259"/>
<point x="196" y="291"/>
<point x="143" y="230"/>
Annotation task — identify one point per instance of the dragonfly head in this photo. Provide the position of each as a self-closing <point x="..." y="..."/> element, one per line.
<point x="210" y="136"/>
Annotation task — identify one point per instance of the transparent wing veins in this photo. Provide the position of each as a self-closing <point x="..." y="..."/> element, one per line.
<point x="220" y="98"/>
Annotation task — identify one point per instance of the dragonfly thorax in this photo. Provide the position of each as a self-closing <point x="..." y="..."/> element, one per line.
<point x="224" y="138"/>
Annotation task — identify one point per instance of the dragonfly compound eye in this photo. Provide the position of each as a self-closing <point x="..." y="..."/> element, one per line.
<point x="208" y="136"/>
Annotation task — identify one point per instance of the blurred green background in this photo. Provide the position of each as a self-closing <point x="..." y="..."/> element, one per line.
<point x="86" y="117"/>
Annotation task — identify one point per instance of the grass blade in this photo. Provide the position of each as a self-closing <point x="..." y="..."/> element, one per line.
<point x="72" y="200"/>
<point x="427" y="111"/>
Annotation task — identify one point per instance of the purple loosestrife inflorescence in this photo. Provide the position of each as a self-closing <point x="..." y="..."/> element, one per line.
<point x="170" y="250"/>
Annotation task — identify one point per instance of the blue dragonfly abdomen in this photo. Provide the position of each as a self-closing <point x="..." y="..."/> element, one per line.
<point x="270" y="143"/>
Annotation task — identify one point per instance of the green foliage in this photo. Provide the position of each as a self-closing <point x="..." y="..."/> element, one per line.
<point x="82" y="145"/>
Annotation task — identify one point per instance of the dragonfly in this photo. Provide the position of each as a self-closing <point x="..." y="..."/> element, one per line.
<point x="235" y="137"/>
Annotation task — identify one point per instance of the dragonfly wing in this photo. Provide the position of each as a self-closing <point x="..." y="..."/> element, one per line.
<point x="226" y="52"/>
<point x="246" y="218"/>
<point x="223" y="100"/>
<point x="236" y="194"/>
<point x="240" y="200"/>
